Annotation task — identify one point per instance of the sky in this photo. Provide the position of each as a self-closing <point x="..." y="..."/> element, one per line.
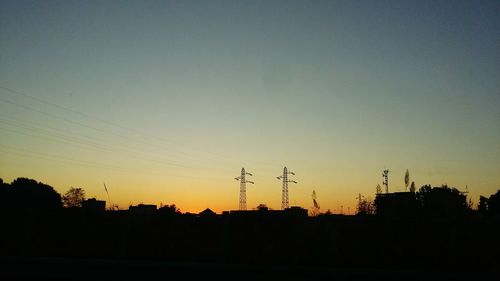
<point x="166" y="101"/>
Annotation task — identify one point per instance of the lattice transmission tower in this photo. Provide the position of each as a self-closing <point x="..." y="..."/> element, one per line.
<point x="284" y="194"/>
<point x="243" y="188"/>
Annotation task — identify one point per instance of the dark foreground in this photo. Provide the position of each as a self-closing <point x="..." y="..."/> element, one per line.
<point x="77" y="245"/>
<point x="15" y="268"/>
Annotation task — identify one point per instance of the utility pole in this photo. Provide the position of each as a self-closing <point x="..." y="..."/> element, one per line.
<point x="243" y="188"/>
<point x="284" y="194"/>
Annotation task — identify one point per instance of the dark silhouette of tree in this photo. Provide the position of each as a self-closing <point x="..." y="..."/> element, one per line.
<point x="442" y="201"/>
<point x="262" y="207"/>
<point x="412" y="187"/>
<point x="422" y="193"/>
<point x="169" y="210"/>
<point x="73" y="197"/>
<point x="29" y="194"/>
<point x="365" y="207"/>
<point x="3" y="185"/>
<point x="494" y="204"/>
<point x="482" y="207"/>
<point x="5" y="195"/>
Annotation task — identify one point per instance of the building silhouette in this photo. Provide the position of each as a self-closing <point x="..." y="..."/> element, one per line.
<point x="207" y="213"/>
<point x="264" y="212"/>
<point x="429" y="201"/>
<point x="143" y="209"/>
<point x="93" y="204"/>
<point x="400" y="204"/>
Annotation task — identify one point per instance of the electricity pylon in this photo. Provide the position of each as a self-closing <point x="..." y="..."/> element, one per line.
<point x="243" y="189"/>
<point x="284" y="195"/>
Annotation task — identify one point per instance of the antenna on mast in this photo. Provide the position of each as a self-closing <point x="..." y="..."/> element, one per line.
<point x="385" y="182"/>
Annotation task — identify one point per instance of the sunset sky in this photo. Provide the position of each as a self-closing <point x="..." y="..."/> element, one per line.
<point x="165" y="101"/>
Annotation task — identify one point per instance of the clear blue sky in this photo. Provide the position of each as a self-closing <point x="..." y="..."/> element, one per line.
<point x="167" y="100"/>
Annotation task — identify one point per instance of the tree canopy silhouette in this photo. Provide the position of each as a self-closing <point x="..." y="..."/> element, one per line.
<point x="494" y="204"/>
<point x="73" y="197"/>
<point x="365" y="207"/>
<point x="482" y="206"/>
<point x="262" y="207"/>
<point x="169" y="210"/>
<point x="442" y="201"/>
<point x="28" y="194"/>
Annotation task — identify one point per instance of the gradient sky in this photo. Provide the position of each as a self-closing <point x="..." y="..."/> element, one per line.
<point x="165" y="101"/>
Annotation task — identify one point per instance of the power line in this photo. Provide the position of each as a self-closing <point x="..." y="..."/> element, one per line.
<point x="86" y="115"/>
<point x="72" y="138"/>
<point x="80" y="124"/>
<point x="90" y="164"/>
<point x="74" y="122"/>
<point x="71" y="141"/>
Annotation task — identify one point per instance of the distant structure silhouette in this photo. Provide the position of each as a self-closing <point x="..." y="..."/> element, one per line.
<point x="316" y="208"/>
<point x="412" y="186"/>
<point x="429" y="201"/>
<point x="207" y="213"/>
<point x="407" y="179"/>
<point x="109" y="199"/>
<point x="314" y="197"/>
<point x="243" y="188"/>
<point x="385" y="181"/>
<point x="396" y="204"/>
<point x="284" y="195"/>
<point x="143" y="209"/>
<point x="94" y="205"/>
<point x="262" y="213"/>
